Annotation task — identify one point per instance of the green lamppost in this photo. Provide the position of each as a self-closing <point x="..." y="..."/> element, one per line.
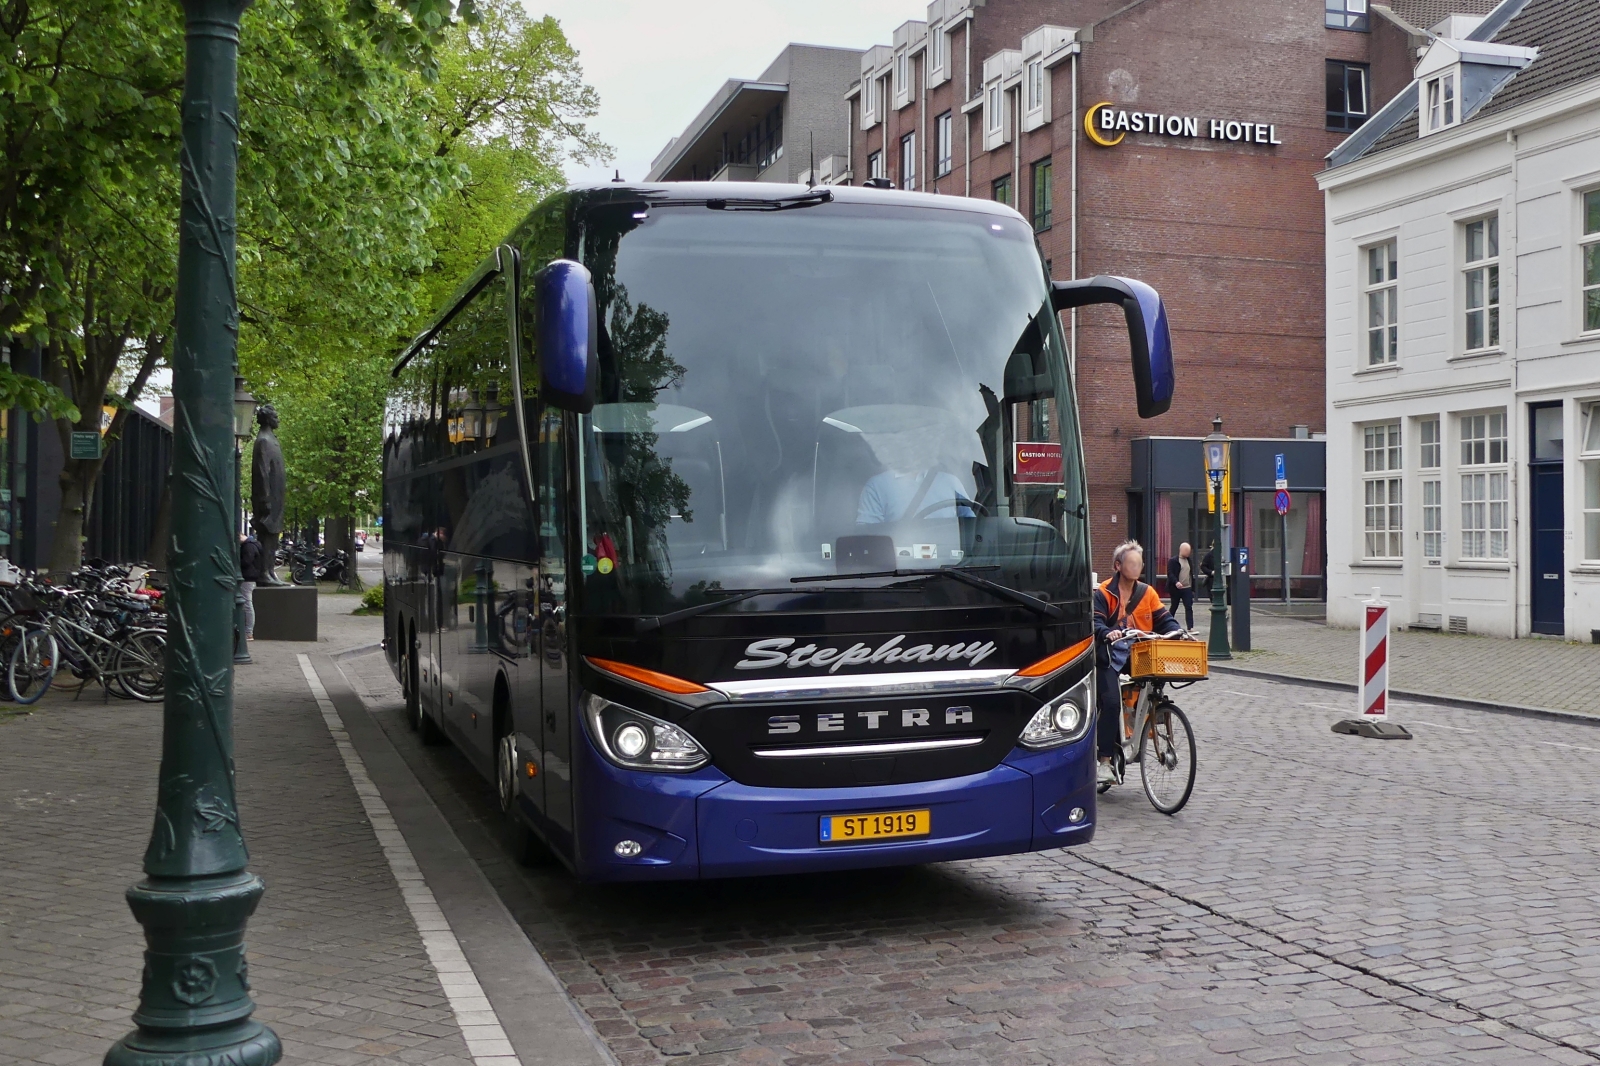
<point x="194" y="1001"/>
<point x="1216" y="453"/>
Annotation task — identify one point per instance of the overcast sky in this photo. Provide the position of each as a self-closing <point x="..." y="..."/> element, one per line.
<point x="656" y="64"/>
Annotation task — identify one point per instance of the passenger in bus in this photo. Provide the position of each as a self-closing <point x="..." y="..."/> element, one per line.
<point x="1122" y="605"/>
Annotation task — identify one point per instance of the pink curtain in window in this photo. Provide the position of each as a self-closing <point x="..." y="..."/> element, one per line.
<point x="1311" y="562"/>
<point x="1156" y="567"/>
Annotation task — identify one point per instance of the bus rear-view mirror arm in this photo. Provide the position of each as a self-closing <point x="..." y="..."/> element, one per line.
<point x="1153" y="378"/>
<point x="567" y="335"/>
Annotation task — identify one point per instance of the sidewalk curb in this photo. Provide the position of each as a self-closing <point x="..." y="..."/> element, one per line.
<point x="1462" y="702"/>
<point x="543" y="1024"/>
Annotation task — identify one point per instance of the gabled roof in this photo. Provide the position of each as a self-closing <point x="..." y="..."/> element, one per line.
<point x="1565" y="33"/>
<point x="1427" y="13"/>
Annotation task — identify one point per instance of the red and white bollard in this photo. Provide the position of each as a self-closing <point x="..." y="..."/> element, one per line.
<point x="1372" y="677"/>
<point x="1375" y="659"/>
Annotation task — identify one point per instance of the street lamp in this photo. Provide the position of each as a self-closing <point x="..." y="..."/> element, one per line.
<point x="244" y="417"/>
<point x="1216" y="446"/>
<point x="198" y="892"/>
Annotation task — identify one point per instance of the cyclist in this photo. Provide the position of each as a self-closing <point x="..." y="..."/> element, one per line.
<point x="1121" y="603"/>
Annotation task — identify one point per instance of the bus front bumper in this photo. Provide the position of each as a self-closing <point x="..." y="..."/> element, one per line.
<point x="706" y="825"/>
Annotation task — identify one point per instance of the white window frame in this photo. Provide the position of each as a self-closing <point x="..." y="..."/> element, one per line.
<point x="875" y="165"/>
<point x="901" y="75"/>
<point x="938" y="56"/>
<point x="1440" y="104"/>
<point x="1485" y="485"/>
<point x="1589" y="498"/>
<point x="994" y="108"/>
<point x="1589" y="261"/>
<point x="908" y="160"/>
<point x="1484" y="273"/>
<point x="1380" y="291"/>
<point x="1430" y="464"/>
<point x="1382" y="488"/>
<point x="1034" y="80"/>
<point x="944" y="127"/>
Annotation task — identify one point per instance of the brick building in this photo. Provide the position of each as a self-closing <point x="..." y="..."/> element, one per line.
<point x="1049" y="105"/>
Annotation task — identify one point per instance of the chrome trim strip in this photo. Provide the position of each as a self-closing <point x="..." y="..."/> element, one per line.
<point x="799" y="688"/>
<point x="885" y="748"/>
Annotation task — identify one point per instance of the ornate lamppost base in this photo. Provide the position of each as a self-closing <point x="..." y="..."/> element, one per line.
<point x="247" y="1043"/>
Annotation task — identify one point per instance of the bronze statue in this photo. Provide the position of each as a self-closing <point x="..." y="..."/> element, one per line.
<point x="266" y="490"/>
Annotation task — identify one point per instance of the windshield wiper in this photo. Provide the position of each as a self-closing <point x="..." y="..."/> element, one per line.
<point x="964" y="575"/>
<point x="782" y="203"/>
<point x="646" y="625"/>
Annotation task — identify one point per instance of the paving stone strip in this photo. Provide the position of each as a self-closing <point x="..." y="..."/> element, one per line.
<point x="480" y="1027"/>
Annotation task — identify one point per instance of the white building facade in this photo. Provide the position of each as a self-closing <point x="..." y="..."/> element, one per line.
<point x="1463" y="274"/>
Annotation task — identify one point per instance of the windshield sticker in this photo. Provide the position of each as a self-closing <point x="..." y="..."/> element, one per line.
<point x="773" y="652"/>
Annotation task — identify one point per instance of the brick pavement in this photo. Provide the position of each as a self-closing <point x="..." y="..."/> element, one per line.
<point x="1323" y="900"/>
<point x="1529" y="672"/>
<point x="337" y="965"/>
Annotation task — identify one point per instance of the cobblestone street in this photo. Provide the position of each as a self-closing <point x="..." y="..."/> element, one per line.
<point x="1323" y="899"/>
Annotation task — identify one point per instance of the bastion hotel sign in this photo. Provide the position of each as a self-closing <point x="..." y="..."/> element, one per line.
<point x="1107" y="124"/>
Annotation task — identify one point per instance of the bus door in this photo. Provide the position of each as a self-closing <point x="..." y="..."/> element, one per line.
<point x="551" y="642"/>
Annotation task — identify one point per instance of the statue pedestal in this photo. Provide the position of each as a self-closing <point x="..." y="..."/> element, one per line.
<point x="286" y="612"/>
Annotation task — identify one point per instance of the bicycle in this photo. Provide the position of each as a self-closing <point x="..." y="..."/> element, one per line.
<point x="1155" y="731"/>
<point x="102" y="642"/>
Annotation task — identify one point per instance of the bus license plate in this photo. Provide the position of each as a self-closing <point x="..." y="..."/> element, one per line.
<point x="853" y="828"/>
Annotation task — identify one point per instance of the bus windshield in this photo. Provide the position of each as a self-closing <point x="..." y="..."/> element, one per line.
<point x="823" y="391"/>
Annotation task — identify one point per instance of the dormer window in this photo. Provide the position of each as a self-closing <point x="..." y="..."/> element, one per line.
<point x="1442" y="104"/>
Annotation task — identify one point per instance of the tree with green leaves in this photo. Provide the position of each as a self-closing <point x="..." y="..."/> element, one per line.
<point x="375" y="139"/>
<point x="507" y="109"/>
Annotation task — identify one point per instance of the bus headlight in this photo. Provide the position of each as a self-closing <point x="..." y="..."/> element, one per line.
<point x="638" y="741"/>
<point x="1062" y="720"/>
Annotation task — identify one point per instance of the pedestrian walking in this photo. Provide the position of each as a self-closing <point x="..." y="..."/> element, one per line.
<point x="252" y="569"/>
<point x="1180" y="582"/>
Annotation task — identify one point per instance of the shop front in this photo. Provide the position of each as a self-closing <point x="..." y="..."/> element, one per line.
<point x="1167" y="506"/>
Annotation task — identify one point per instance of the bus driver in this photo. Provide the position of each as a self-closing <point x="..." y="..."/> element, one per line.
<point x="910" y="486"/>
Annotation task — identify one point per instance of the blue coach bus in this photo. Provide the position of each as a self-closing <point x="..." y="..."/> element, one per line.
<point x="740" y="529"/>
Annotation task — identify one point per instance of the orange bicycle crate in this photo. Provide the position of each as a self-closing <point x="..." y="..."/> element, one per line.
<point x="1168" y="660"/>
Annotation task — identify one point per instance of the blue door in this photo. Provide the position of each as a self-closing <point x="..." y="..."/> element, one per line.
<point x="1547" y="597"/>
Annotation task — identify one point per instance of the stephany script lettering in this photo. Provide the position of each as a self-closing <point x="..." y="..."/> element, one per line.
<point x="774" y="652"/>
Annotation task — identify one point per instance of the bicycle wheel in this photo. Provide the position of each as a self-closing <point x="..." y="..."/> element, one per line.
<point x="1166" y="759"/>
<point x="141" y="665"/>
<point x="32" y="665"/>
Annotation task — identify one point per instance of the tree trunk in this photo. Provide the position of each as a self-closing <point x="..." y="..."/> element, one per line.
<point x="342" y="537"/>
<point x="77" y="495"/>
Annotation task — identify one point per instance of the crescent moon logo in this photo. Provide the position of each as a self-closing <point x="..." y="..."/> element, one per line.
<point x="1089" y="126"/>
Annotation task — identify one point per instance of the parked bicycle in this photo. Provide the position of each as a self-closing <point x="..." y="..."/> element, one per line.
<point x="103" y="624"/>
<point x="1155" y="732"/>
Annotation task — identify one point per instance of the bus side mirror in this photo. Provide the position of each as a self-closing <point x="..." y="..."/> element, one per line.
<point x="568" y="326"/>
<point x="1153" y="377"/>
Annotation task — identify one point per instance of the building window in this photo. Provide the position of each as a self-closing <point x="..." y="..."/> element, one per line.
<point x="1041" y="195"/>
<point x="940" y="47"/>
<point x="1485" y="517"/>
<point x="1442" y="110"/>
<point x="1591" y="487"/>
<point x="1591" y="261"/>
<point x="1347" y="94"/>
<point x="875" y="165"/>
<point x="1429" y="458"/>
<point x="944" y="136"/>
<point x="1036" y="85"/>
<point x="908" y="161"/>
<point x="1383" y="304"/>
<point x="1483" y="283"/>
<point x="1002" y="190"/>
<point x="997" y="113"/>
<point x="1344" y="14"/>
<point x="1381" y="465"/>
<point x="902" y="81"/>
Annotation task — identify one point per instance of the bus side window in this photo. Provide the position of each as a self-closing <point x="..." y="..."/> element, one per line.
<point x="550" y="479"/>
